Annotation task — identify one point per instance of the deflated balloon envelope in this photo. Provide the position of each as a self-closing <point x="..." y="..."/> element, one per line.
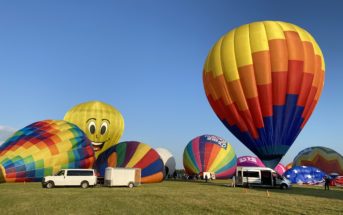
<point x="263" y="80"/>
<point x="304" y="175"/>
<point x="43" y="148"/>
<point x="133" y="154"/>
<point x="209" y="153"/>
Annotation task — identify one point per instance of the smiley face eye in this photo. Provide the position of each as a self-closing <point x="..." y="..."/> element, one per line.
<point x="103" y="128"/>
<point x="92" y="127"/>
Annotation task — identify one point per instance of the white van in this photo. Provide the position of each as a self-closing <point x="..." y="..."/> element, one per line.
<point x="71" y="177"/>
<point x="122" y="177"/>
<point x="260" y="177"/>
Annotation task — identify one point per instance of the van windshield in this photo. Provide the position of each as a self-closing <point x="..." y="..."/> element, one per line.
<point x="60" y="173"/>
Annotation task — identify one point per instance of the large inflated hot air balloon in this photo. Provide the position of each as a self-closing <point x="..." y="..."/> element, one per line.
<point x="133" y="154"/>
<point x="209" y="153"/>
<point x="102" y="123"/>
<point x="263" y="80"/>
<point x="43" y="148"/>
<point x="305" y="175"/>
<point x="325" y="159"/>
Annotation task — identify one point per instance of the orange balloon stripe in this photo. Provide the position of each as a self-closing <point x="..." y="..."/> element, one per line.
<point x="294" y="46"/>
<point x="279" y="86"/>
<point x="265" y="98"/>
<point x="158" y="177"/>
<point x="248" y="81"/>
<point x="262" y="67"/>
<point x="305" y="89"/>
<point x="278" y="55"/>
<point x="213" y="155"/>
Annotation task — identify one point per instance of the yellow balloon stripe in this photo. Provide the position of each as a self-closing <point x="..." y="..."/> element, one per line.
<point x="228" y="53"/>
<point x="274" y="30"/>
<point x="242" y="40"/>
<point x="141" y="151"/>
<point x="259" y="42"/>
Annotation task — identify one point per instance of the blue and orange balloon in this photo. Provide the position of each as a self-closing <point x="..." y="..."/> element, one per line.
<point x="209" y="153"/>
<point x="263" y="80"/>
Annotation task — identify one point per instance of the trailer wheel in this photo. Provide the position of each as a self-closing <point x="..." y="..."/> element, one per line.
<point x="130" y="185"/>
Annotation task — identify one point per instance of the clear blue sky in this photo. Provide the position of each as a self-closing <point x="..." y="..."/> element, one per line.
<point x="146" y="59"/>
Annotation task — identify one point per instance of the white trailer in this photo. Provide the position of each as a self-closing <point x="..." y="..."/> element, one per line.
<point x="122" y="177"/>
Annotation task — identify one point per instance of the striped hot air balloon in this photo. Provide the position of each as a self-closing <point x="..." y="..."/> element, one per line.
<point x="133" y="154"/>
<point x="43" y="148"/>
<point x="263" y="80"/>
<point x="323" y="158"/>
<point x="209" y="153"/>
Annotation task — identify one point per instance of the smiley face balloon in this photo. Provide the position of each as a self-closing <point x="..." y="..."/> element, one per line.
<point x="102" y="123"/>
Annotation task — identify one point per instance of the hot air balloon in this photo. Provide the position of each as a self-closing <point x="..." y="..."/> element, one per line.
<point x="249" y="161"/>
<point x="102" y="123"/>
<point x="305" y="175"/>
<point x="168" y="161"/>
<point x="325" y="159"/>
<point x="209" y="153"/>
<point x="252" y="161"/>
<point x="289" y="166"/>
<point x="133" y="154"/>
<point x="280" y="169"/>
<point x="43" y="148"/>
<point x="263" y="81"/>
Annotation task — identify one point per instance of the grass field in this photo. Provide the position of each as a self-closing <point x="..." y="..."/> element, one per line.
<point x="169" y="197"/>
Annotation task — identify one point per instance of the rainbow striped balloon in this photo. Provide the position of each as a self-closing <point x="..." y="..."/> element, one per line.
<point x="325" y="159"/>
<point x="43" y="148"/>
<point x="209" y="153"/>
<point x="133" y="154"/>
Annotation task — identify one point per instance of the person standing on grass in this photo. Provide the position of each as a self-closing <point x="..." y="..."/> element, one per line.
<point x="327" y="182"/>
<point x="206" y="178"/>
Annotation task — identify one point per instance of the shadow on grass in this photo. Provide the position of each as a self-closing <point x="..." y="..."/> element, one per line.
<point x="333" y="193"/>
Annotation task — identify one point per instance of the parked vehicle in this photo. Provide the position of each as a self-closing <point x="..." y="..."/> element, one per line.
<point x="260" y="177"/>
<point x="71" y="177"/>
<point x="122" y="177"/>
<point x="209" y="175"/>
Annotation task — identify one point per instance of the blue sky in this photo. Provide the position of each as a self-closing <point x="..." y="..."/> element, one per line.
<point x="146" y="59"/>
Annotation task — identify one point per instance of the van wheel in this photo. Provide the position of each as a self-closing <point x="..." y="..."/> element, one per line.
<point x="84" y="184"/>
<point x="50" y="184"/>
<point x="283" y="186"/>
<point x="130" y="185"/>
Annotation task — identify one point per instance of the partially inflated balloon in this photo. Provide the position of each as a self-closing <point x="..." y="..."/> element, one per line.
<point x="43" y="148"/>
<point x="289" y="166"/>
<point x="168" y="161"/>
<point x="209" y="153"/>
<point x="102" y="123"/>
<point x="263" y="80"/>
<point x="132" y="154"/>
<point x="250" y="161"/>
<point x="280" y="169"/>
<point x="325" y="159"/>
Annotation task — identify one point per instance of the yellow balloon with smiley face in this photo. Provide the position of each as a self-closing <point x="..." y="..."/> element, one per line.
<point x="102" y="123"/>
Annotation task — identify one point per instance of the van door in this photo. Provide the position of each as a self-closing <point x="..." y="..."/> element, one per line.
<point x="266" y="177"/>
<point x="59" y="178"/>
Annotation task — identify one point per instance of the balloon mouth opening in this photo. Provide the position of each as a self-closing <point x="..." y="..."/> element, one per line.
<point x="98" y="146"/>
<point x="272" y="163"/>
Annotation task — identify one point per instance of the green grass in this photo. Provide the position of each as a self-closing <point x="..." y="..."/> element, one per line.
<point x="169" y="197"/>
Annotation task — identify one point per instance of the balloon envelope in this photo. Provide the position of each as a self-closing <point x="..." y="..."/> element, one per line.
<point x="323" y="158"/>
<point x="133" y="154"/>
<point x="263" y="80"/>
<point x="250" y="161"/>
<point x="304" y="175"/>
<point x="168" y="161"/>
<point x="43" y="148"/>
<point x="280" y="169"/>
<point x="102" y="123"/>
<point x="209" y="153"/>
